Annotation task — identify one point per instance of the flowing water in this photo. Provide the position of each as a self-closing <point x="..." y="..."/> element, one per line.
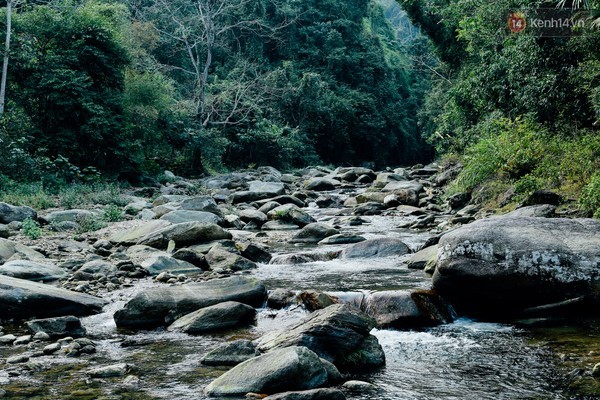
<point x="463" y="360"/>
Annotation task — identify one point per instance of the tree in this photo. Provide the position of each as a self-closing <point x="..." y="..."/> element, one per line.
<point x="9" y="7"/>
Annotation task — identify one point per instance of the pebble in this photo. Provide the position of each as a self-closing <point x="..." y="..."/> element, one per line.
<point x="359" y="386"/>
<point x="41" y="336"/>
<point x="109" y="371"/>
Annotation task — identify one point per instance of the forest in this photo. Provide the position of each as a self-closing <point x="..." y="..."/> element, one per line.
<point x="118" y="90"/>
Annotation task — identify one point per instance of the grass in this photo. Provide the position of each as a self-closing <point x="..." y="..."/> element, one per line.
<point x="526" y="157"/>
<point x="40" y="196"/>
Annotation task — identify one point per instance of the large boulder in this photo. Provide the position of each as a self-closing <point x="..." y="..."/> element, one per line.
<point x="74" y="215"/>
<point x="24" y="299"/>
<point x="338" y="333"/>
<point x="382" y="247"/>
<point x="159" y="263"/>
<point x="505" y="265"/>
<point x="32" y="271"/>
<point x="159" y="306"/>
<point x="10" y="250"/>
<point x="187" y="233"/>
<point x="222" y="316"/>
<point x="314" y="233"/>
<point x="405" y="309"/>
<point x="424" y="257"/>
<point x="293" y="368"/>
<point x="181" y="216"/>
<point x="10" y="213"/>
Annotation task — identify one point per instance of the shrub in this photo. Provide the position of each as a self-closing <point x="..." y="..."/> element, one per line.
<point x="112" y="213"/>
<point x="590" y="196"/>
<point x="90" y="224"/>
<point x="31" y="229"/>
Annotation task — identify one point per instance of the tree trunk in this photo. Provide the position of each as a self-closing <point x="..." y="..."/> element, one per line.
<point x="6" y="50"/>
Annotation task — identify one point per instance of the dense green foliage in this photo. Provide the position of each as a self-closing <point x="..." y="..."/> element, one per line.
<point x="523" y="108"/>
<point x="121" y="89"/>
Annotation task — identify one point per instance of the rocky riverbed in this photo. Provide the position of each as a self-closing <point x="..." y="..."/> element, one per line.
<point x="330" y="284"/>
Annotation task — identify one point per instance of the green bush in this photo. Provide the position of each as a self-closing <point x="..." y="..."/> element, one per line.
<point x="31" y="229"/>
<point x="90" y="224"/>
<point x="112" y="213"/>
<point x="590" y="196"/>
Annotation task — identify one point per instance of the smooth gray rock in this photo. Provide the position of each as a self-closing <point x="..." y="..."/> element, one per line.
<point x="230" y="354"/>
<point x="402" y="309"/>
<point x="342" y="238"/>
<point x="314" y="233"/>
<point x="91" y="268"/>
<point x="540" y="211"/>
<point x="279" y="226"/>
<point x="133" y="235"/>
<point x="219" y="258"/>
<point x="249" y="215"/>
<point x="254" y="252"/>
<point x="504" y="265"/>
<point x="181" y="216"/>
<point x="10" y="250"/>
<point x="74" y="215"/>
<point x="187" y="233"/>
<point x="165" y="263"/>
<point x="10" y="213"/>
<point x="32" y="271"/>
<point x="57" y="327"/>
<point x="322" y="184"/>
<point x="201" y="203"/>
<point x="222" y="316"/>
<point x="315" y="394"/>
<point x="110" y="371"/>
<point x="424" y="257"/>
<point x="382" y="247"/>
<point x="292" y="214"/>
<point x="157" y="306"/>
<point x="258" y="190"/>
<point x="24" y="299"/>
<point x="293" y="368"/>
<point x="338" y="333"/>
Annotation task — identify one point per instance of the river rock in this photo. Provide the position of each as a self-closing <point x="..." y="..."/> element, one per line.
<point x="424" y="257"/>
<point x="132" y="236"/>
<point x="201" y="203"/>
<point x="150" y="308"/>
<point x="280" y="298"/>
<point x="404" y="309"/>
<point x="24" y="299"/>
<point x="342" y="238"/>
<point x="32" y="271"/>
<point x="322" y="184"/>
<point x="314" y="233"/>
<point x="110" y="371"/>
<point x="10" y="250"/>
<point x="292" y="368"/>
<point x="181" y="216"/>
<point x="91" y="268"/>
<point x="254" y="252"/>
<point x="222" y="316"/>
<point x="314" y="300"/>
<point x="279" y="226"/>
<point x="158" y="264"/>
<point x="220" y="258"/>
<point x="230" y="354"/>
<point x="183" y="234"/>
<point x="70" y="216"/>
<point x="540" y="211"/>
<point x="315" y="394"/>
<point x="338" y="333"/>
<point x="503" y="265"/>
<point x="10" y="213"/>
<point x="57" y="327"/>
<point x="258" y="190"/>
<point x="251" y="215"/>
<point x="381" y="247"/>
<point x="291" y="213"/>
<point x="195" y="258"/>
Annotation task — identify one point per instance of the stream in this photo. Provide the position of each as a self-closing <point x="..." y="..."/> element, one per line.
<point x="466" y="359"/>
